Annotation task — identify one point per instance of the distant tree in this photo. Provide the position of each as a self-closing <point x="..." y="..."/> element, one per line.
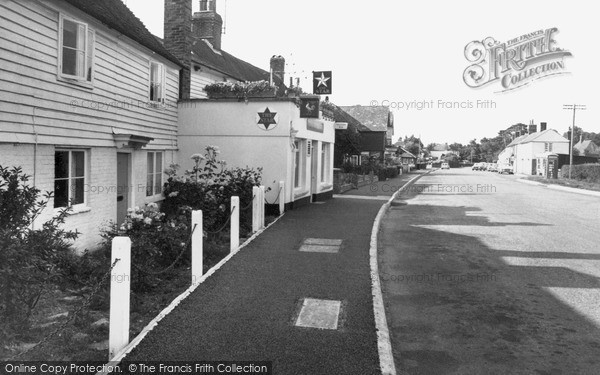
<point x="412" y="144"/>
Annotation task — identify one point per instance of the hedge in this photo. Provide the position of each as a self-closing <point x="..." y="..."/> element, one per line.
<point x="582" y="172"/>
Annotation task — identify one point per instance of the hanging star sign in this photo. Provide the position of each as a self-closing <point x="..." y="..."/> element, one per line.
<point x="266" y="119"/>
<point x="322" y="80"/>
<point x="322" y="83"/>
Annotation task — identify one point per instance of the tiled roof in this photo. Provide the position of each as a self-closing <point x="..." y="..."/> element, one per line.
<point x="343" y="116"/>
<point x="526" y="138"/>
<point x="375" y="118"/>
<point x="228" y="64"/>
<point x="117" y="16"/>
<point x="588" y="145"/>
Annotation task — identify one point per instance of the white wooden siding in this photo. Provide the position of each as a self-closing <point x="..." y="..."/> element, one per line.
<point x="200" y="80"/>
<point x="33" y="99"/>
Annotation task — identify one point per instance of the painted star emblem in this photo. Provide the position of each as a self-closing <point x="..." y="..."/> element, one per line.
<point x="322" y="80"/>
<point x="267" y="118"/>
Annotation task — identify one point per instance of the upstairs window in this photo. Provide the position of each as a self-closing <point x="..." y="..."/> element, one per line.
<point x="548" y="147"/>
<point x="157" y="82"/>
<point x="76" y="50"/>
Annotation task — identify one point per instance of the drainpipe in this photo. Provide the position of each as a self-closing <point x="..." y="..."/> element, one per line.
<point x="35" y="148"/>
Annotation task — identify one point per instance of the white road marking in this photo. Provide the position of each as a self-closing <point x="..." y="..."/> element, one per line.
<point x="319" y="313"/>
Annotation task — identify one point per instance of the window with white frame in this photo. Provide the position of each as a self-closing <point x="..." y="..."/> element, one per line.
<point x="154" y="174"/>
<point x="76" y="52"/>
<point x="325" y="149"/>
<point x="69" y="178"/>
<point x="548" y="147"/>
<point x="157" y="82"/>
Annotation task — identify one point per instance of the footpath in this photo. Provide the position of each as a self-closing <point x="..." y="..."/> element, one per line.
<point x="298" y="296"/>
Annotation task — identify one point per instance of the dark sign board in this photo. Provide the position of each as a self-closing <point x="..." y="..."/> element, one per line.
<point x="309" y="107"/>
<point x="322" y="83"/>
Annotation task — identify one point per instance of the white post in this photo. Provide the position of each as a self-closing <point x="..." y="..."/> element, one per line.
<point x="234" y="233"/>
<point x="255" y="209"/>
<point x="197" y="251"/>
<point x="262" y="207"/>
<point x="120" y="281"/>
<point x="281" y="197"/>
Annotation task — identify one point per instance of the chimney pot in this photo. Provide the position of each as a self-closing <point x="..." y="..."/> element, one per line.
<point x="542" y="126"/>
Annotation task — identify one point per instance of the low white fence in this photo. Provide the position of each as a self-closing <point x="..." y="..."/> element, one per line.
<point x="120" y="285"/>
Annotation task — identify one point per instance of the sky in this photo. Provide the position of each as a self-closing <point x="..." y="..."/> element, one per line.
<point x="411" y="54"/>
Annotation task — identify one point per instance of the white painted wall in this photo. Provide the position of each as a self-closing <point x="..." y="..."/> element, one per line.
<point x="232" y="126"/>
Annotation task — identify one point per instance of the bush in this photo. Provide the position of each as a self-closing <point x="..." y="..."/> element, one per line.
<point x="582" y="172"/>
<point x="208" y="186"/>
<point x="365" y="168"/>
<point x="156" y="242"/>
<point x="30" y="258"/>
<point x="391" y="172"/>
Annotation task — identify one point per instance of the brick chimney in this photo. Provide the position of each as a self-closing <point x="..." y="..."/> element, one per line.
<point x="278" y="67"/>
<point x="178" y="39"/>
<point x="532" y="128"/>
<point x="208" y="24"/>
<point x="542" y="126"/>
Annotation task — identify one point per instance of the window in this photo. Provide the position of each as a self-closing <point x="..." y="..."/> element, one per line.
<point x="325" y="162"/>
<point x="157" y="82"/>
<point x="76" y="54"/>
<point x="548" y="147"/>
<point x="298" y="163"/>
<point x="154" y="176"/>
<point x="69" y="178"/>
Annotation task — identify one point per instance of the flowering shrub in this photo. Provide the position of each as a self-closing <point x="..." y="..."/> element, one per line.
<point x="209" y="186"/>
<point x="29" y="258"/>
<point x="241" y="90"/>
<point x="156" y="241"/>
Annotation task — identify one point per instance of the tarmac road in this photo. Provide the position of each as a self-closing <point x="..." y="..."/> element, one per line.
<point x="482" y="274"/>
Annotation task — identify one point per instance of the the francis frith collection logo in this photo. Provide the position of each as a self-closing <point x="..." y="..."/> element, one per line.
<point x="516" y="62"/>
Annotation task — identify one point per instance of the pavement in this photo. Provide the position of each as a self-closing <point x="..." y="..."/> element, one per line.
<point x="248" y="310"/>
<point x="483" y="275"/>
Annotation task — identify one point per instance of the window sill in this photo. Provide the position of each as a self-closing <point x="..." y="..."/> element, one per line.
<point x="75" y="210"/>
<point x="326" y="186"/>
<point x="154" y="198"/>
<point x="74" y="81"/>
<point x="300" y="194"/>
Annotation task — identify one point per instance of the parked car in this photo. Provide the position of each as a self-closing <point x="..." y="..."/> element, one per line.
<point x="505" y="168"/>
<point x="445" y="166"/>
<point x="493" y="167"/>
<point x="477" y="166"/>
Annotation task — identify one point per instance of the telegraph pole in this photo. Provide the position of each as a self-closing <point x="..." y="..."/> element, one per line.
<point x="574" y="107"/>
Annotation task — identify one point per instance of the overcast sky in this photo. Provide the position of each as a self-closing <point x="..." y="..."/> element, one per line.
<point x="392" y="52"/>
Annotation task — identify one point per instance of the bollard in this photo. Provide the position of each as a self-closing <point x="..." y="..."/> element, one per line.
<point x="120" y="281"/>
<point x="234" y="233"/>
<point x="255" y="209"/>
<point x="197" y="251"/>
<point x="262" y="207"/>
<point x="281" y="197"/>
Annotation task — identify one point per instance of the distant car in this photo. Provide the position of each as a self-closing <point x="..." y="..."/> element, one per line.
<point x="445" y="166"/>
<point x="493" y="167"/>
<point x="477" y="166"/>
<point x="508" y="169"/>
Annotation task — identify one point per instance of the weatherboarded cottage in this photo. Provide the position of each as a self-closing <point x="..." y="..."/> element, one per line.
<point x="88" y="107"/>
